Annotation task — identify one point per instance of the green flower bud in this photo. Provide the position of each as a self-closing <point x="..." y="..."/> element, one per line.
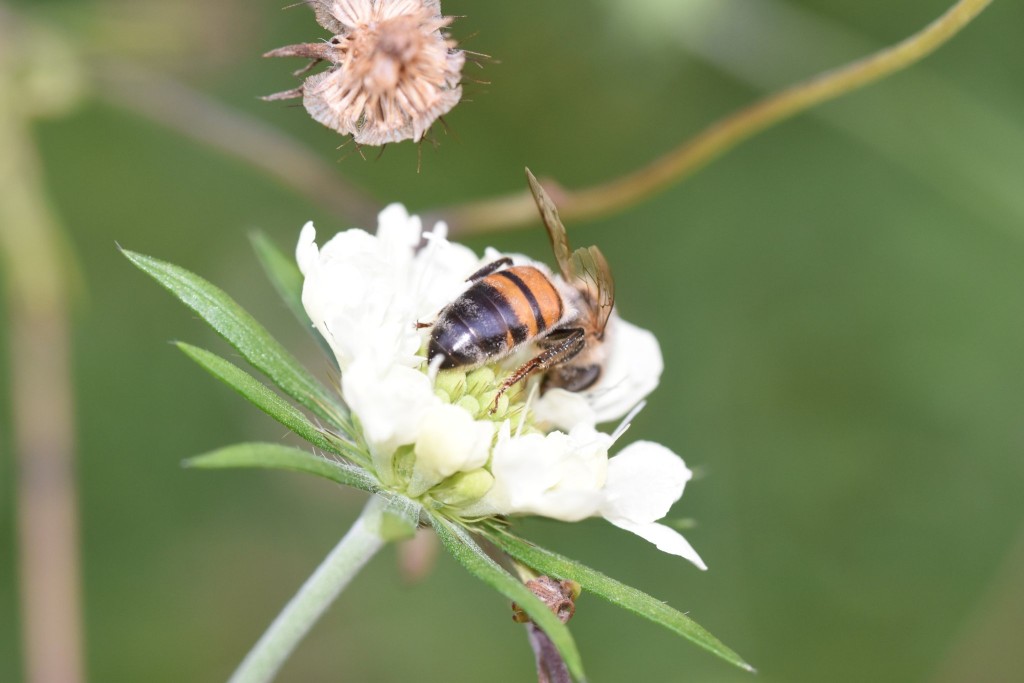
<point x="480" y="380"/>
<point x="463" y="488"/>
<point x="452" y="382"/>
<point x="402" y="465"/>
<point x="470" y="405"/>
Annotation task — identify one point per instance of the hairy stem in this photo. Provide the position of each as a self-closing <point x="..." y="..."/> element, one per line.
<point x="518" y="209"/>
<point x="322" y="588"/>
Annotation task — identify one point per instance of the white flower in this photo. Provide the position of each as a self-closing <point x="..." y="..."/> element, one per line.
<point x="570" y="477"/>
<point x="366" y="293"/>
<point x="558" y="475"/>
<point x="644" y="480"/>
<point x="450" y="441"/>
<point x="390" y="403"/>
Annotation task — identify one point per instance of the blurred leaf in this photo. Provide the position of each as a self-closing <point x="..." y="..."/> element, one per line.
<point x="277" y="457"/>
<point x="282" y="272"/>
<point x="464" y="549"/>
<point x="270" y="403"/>
<point x="618" y="593"/>
<point x="287" y="280"/>
<point x="243" y="332"/>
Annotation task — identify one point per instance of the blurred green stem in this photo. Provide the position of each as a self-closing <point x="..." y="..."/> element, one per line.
<point x="191" y="114"/>
<point x="322" y="588"/>
<point x="36" y="268"/>
<point x="518" y="209"/>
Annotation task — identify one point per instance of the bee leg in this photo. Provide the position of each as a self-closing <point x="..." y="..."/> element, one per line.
<point x="490" y="268"/>
<point x="559" y="347"/>
<point x="420" y="326"/>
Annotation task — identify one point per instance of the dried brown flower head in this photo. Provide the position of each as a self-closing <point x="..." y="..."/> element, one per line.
<point x="393" y="69"/>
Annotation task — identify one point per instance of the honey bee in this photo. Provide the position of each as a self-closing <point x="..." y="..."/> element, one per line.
<point x="508" y="306"/>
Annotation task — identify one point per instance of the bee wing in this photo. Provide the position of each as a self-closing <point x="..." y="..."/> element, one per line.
<point x="584" y="268"/>
<point x="591" y="273"/>
<point x="556" y="231"/>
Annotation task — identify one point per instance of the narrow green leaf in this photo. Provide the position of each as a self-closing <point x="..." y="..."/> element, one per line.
<point x="287" y="280"/>
<point x="243" y="332"/>
<point x="270" y="403"/>
<point x="277" y="457"/>
<point x="282" y="272"/>
<point x="464" y="549"/>
<point x="630" y="598"/>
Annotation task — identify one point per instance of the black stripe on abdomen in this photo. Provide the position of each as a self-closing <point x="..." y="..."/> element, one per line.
<point x="492" y="318"/>
<point x="534" y="305"/>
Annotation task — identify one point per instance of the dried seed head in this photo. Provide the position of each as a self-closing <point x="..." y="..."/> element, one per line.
<point x="394" y="71"/>
<point x="559" y="596"/>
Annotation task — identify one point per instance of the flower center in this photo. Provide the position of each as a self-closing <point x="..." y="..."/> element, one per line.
<point x="476" y="392"/>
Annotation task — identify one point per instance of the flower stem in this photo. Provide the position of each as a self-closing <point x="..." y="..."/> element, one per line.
<point x="518" y="209"/>
<point x="361" y="543"/>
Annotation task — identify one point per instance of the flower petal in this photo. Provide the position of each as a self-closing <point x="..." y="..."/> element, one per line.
<point x="561" y="409"/>
<point x="560" y="476"/>
<point x="390" y="404"/>
<point x="644" y="480"/>
<point x="631" y="372"/>
<point x="365" y="293"/>
<point x="666" y="539"/>
<point x="450" y="441"/>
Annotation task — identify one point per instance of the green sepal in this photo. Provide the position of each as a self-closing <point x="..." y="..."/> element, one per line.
<point x="463" y="548"/>
<point x="277" y="457"/>
<point x="250" y="338"/>
<point x="627" y="597"/>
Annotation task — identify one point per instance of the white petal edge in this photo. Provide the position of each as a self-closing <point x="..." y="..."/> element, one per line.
<point x="644" y="480"/>
<point x="666" y="539"/>
<point x="632" y="371"/>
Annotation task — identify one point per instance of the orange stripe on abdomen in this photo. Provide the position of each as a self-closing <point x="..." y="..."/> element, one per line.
<point x="549" y="301"/>
<point x="517" y="302"/>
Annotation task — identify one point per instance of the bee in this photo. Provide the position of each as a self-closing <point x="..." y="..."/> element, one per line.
<point x="508" y="306"/>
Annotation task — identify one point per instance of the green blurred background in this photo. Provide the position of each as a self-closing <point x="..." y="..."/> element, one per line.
<point x="839" y="303"/>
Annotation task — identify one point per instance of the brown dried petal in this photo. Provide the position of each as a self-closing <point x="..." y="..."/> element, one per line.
<point x="394" y="76"/>
<point x="339" y="16"/>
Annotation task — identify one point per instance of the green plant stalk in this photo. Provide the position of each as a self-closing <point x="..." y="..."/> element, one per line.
<point x="321" y="589"/>
<point x="39" y="272"/>
<point x="518" y="209"/>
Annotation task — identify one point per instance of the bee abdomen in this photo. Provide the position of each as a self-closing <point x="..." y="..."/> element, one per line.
<point x="495" y="315"/>
<point x="529" y="297"/>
